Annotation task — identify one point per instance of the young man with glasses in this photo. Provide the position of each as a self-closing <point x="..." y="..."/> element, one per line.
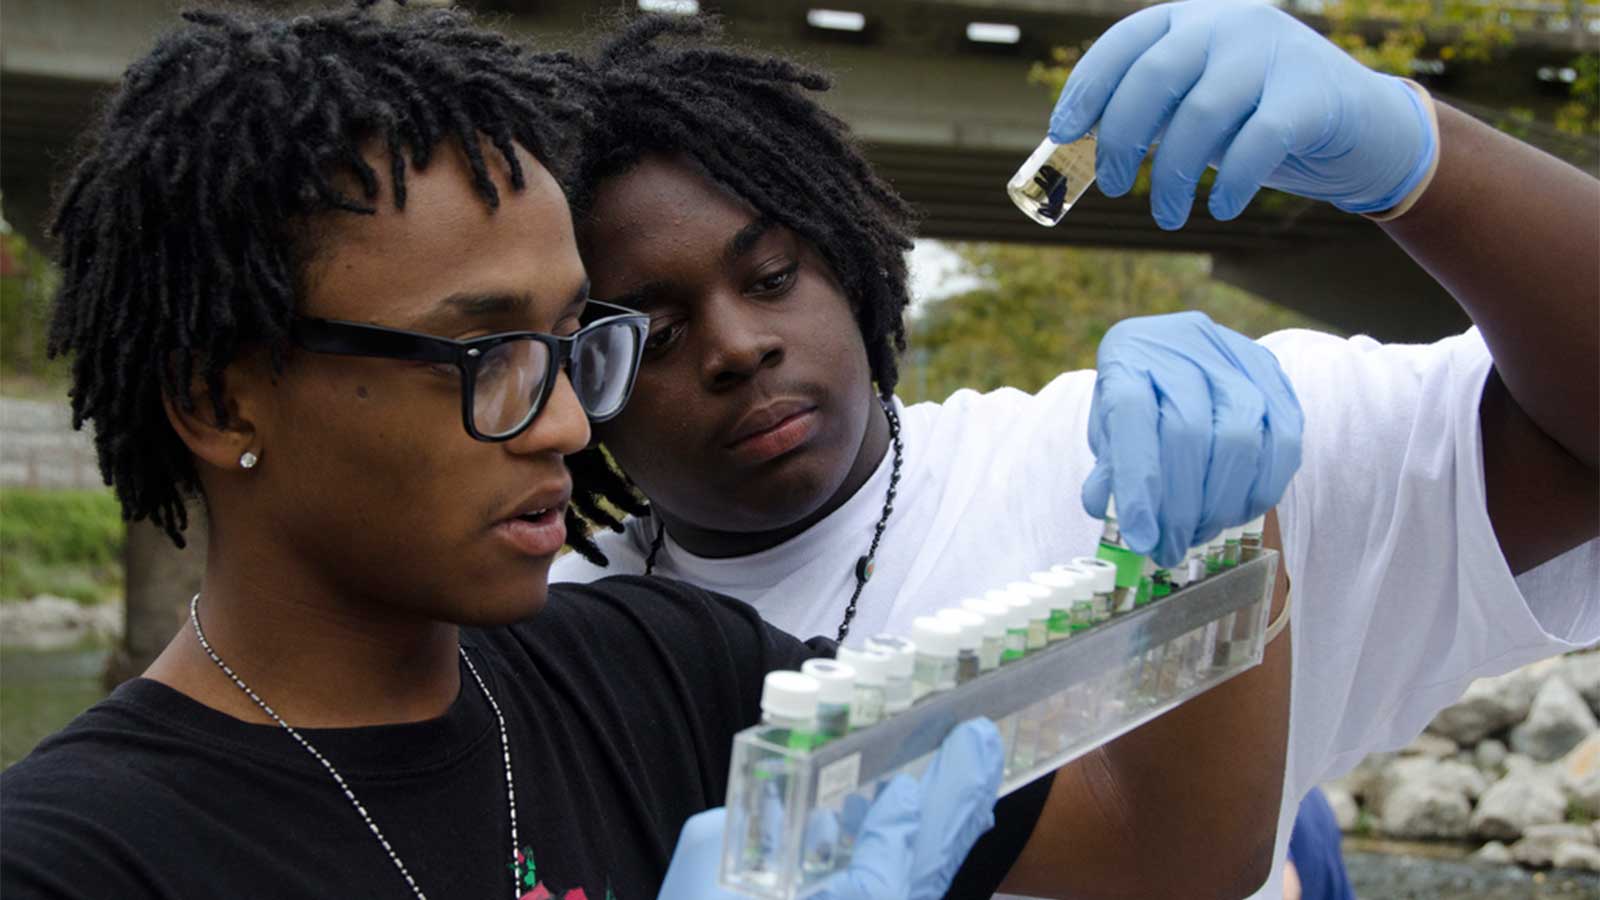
<point x="316" y="272"/>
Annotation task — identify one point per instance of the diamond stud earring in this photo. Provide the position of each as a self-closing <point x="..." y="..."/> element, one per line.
<point x="248" y="460"/>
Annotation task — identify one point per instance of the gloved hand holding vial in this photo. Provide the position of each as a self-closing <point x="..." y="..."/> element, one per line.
<point x="1244" y="87"/>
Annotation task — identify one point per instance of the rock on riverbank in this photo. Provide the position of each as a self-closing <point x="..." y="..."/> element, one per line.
<point x="48" y="623"/>
<point x="1513" y="765"/>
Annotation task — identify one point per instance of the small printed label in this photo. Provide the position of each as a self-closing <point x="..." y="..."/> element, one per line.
<point x="837" y="779"/>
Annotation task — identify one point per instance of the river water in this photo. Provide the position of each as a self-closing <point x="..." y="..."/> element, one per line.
<point x="40" y="691"/>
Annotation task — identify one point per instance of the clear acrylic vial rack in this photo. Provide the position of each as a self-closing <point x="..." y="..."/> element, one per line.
<point x="793" y="811"/>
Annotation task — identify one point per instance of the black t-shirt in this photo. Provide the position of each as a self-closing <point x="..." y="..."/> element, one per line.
<point x="620" y="699"/>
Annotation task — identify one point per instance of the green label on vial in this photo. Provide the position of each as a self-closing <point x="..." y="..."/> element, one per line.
<point x="1130" y="565"/>
<point x="1060" y="621"/>
<point x="1143" y="596"/>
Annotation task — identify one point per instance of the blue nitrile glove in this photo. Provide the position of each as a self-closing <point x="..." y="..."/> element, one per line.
<point x="1248" y="88"/>
<point x="958" y="794"/>
<point x="1194" y="428"/>
<point x="912" y="841"/>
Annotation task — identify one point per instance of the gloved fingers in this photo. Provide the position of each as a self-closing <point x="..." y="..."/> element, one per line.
<point x="1124" y="423"/>
<point x="1203" y="125"/>
<point x="1097" y="74"/>
<point x="1142" y="104"/>
<point x="1237" y="414"/>
<point x="1269" y="137"/>
<point x="692" y="874"/>
<point x="1097" y="489"/>
<point x="1281" y="447"/>
<point x="959" y="791"/>
<point x="823" y="831"/>
<point x="1185" y="435"/>
<point x="881" y="864"/>
<point x="971" y="749"/>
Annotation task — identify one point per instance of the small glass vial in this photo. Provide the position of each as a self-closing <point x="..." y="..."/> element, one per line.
<point x="1082" y="594"/>
<point x="789" y="707"/>
<point x="1231" y="546"/>
<point x="1105" y="586"/>
<point x="969" y="640"/>
<point x="1016" y="643"/>
<point x="872" y="673"/>
<point x="1131" y="579"/>
<point x="1214" y="548"/>
<point x="994" y="631"/>
<point x="788" y="719"/>
<point x="1161" y="584"/>
<point x="1038" y="612"/>
<point x="935" y="668"/>
<point x="1147" y="584"/>
<point x="1194" y="566"/>
<point x="1061" y="586"/>
<point x="837" y="688"/>
<point x="1053" y="178"/>
<point x="1250" y="539"/>
<point x="897" y="691"/>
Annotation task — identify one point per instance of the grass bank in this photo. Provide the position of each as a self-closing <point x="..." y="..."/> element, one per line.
<point x="62" y="542"/>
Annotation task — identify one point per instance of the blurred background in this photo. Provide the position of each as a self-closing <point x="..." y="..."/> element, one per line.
<point x="948" y="97"/>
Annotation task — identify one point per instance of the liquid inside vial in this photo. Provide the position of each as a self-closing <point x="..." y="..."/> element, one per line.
<point x="1053" y="178"/>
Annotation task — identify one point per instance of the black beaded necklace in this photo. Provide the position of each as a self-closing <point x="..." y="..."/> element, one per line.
<point x="863" y="570"/>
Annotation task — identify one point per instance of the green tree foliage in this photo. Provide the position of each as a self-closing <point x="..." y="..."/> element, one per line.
<point x="62" y="542"/>
<point x="1393" y="35"/>
<point x="27" y="284"/>
<point x="1043" y="310"/>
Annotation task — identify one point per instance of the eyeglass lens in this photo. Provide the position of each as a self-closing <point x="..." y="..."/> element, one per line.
<point x="600" y="368"/>
<point x="511" y="377"/>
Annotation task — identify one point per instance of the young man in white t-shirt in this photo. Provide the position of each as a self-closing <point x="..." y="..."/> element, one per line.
<point x="1440" y="527"/>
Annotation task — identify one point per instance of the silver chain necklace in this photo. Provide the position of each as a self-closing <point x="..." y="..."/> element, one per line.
<point x="505" y="751"/>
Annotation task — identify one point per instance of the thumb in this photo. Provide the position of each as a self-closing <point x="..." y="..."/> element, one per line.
<point x="1097" y="489"/>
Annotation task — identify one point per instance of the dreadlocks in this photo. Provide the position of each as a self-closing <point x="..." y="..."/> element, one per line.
<point x="750" y="124"/>
<point x="185" y="228"/>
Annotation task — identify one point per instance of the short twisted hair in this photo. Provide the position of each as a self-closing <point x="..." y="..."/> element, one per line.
<point x="752" y="124"/>
<point x="183" y="229"/>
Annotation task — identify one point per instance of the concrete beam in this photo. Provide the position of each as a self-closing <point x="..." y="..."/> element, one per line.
<point x="1363" y="284"/>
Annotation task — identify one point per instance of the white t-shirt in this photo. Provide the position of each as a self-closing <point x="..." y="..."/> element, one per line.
<point x="1402" y="596"/>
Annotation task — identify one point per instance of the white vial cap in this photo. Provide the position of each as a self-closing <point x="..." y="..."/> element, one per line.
<point x="935" y="636"/>
<point x="1104" y="573"/>
<point x="1233" y="534"/>
<point x="872" y="666"/>
<point x="1018" y="606"/>
<point x="1256" y="525"/>
<point x="1055" y="580"/>
<point x="994" y="615"/>
<point x="1082" y="587"/>
<point x="1084" y="577"/>
<point x="1111" y="507"/>
<point x="999" y="597"/>
<point x="1029" y="589"/>
<point x="970" y="624"/>
<point x="902" y="651"/>
<point x="1037" y="593"/>
<point x="837" y="680"/>
<point x="790" y="695"/>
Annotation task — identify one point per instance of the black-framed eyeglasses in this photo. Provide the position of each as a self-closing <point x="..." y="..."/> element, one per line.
<point x="506" y="378"/>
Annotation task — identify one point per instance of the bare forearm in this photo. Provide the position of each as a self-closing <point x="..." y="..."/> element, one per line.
<point x="1514" y="235"/>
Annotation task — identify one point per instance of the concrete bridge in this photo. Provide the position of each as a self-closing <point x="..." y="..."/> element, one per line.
<point x="946" y="118"/>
